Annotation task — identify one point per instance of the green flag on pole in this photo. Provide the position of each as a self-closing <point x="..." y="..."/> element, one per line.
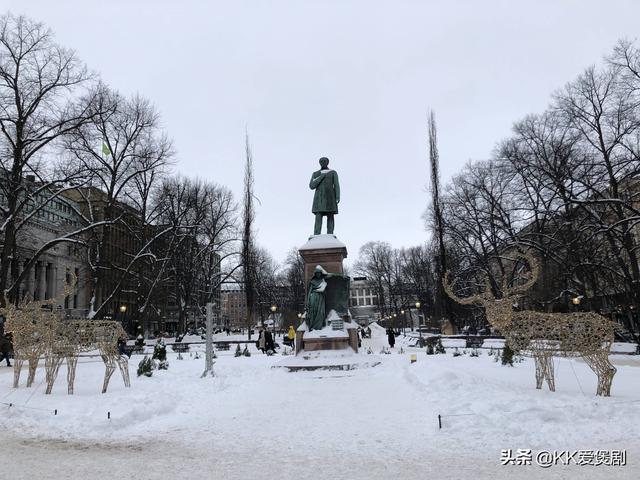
<point x="105" y="149"/>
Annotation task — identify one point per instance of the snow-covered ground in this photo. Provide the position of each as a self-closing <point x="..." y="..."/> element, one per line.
<point x="252" y="420"/>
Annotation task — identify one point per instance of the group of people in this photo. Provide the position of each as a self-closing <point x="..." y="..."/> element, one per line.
<point x="364" y="332"/>
<point x="265" y="341"/>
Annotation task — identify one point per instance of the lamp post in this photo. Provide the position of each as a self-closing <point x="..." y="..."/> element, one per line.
<point x="418" y="304"/>
<point x="404" y="319"/>
<point x="273" y="319"/>
<point x="576" y="302"/>
<point x="123" y="311"/>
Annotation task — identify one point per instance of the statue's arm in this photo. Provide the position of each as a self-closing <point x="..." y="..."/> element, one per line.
<point x="342" y="275"/>
<point x="315" y="180"/>
<point x="336" y="187"/>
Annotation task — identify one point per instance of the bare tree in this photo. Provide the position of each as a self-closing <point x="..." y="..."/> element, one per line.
<point x="375" y="262"/>
<point x="294" y="279"/>
<point x="438" y="226"/>
<point x="122" y="151"/>
<point x="249" y="269"/>
<point x="603" y="107"/>
<point x="40" y="86"/>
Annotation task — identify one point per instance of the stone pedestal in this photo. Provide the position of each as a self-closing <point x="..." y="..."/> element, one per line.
<point x="324" y="250"/>
<point x="328" y="252"/>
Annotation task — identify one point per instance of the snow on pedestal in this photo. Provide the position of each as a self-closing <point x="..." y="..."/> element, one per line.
<point x="322" y="242"/>
<point x="326" y="332"/>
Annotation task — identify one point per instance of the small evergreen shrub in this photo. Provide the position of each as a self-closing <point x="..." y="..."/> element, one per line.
<point x="145" y="367"/>
<point x="507" y="355"/>
<point x="160" y="354"/>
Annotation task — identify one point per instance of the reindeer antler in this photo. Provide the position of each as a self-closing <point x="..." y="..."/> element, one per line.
<point x="448" y="288"/>
<point x="532" y="276"/>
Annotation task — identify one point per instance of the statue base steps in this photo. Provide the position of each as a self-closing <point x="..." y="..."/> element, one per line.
<point x="320" y="343"/>
<point x="342" y="359"/>
<point x="339" y="340"/>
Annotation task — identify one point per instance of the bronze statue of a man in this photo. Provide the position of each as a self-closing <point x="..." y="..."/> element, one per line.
<point x="327" y="196"/>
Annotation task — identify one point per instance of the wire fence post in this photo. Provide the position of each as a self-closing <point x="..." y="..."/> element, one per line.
<point x="439" y="422"/>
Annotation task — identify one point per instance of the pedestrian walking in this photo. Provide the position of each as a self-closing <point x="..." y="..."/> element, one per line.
<point x="269" y="345"/>
<point x="6" y="347"/>
<point x="262" y="341"/>
<point x="291" y="336"/>
<point x="391" y="337"/>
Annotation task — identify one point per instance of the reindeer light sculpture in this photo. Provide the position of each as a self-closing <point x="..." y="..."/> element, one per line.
<point x="545" y="335"/>
<point x="39" y="331"/>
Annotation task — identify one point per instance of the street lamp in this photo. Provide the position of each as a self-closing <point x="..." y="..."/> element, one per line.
<point x="123" y="310"/>
<point x="273" y="319"/>
<point x="418" y="304"/>
<point x="404" y="319"/>
<point x="576" y="302"/>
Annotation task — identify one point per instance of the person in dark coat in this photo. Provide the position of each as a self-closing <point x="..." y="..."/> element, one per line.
<point x="268" y="341"/>
<point x="5" y="348"/>
<point x="391" y="337"/>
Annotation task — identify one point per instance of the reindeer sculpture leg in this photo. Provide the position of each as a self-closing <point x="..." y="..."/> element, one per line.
<point x="537" y="358"/>
<point x="17" y="366"/>
<point x="123" y="364"/>
<point x="549" y="372"/>
<point x="602" y="367"/>
<point x="52" y="364"/>
<point x="110" y="367"/>
<point x="544" y="370"/>
<point x="72" y="362"/>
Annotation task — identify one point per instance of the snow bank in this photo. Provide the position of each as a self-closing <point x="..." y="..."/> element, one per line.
<point x="390" y="412"/>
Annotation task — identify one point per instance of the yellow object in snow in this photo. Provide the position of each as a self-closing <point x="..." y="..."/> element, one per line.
<point x="414" y="358"/>
<point x="291" y="334"/>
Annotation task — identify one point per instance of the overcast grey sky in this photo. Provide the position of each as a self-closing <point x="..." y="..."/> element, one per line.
<point x="350" y="80"/>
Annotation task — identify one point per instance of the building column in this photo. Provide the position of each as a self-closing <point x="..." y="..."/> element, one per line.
<point x="32" y="282"/>
<point x="42" y="280"/>
<point x="54" y="280"/>
<point x="27" y="280"/>
<point x="21" y="285"/>
<point x="50" y="280"/>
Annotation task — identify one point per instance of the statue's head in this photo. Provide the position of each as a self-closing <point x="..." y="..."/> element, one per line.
<point x="324" y="162"/>
<point x="318" y="272"/>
